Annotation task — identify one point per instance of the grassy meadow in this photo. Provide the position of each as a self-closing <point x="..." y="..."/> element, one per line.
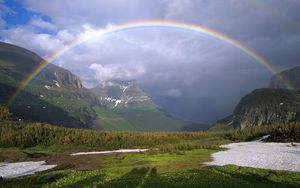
<point x="175" y="159"/>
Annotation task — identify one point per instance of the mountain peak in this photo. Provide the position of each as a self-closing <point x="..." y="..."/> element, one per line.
<point x="120" y="92"/>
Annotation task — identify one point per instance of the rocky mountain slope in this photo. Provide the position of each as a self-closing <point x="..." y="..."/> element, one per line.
<point x="57" y="96"/>
<point x="129" y="102"/>
<point x="263" y="107"/>
<point x="121" y="93"/>
<point x="266" y="106"/>
<point x="18" y="62"/>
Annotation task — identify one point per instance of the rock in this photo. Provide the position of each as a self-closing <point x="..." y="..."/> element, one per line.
<point x="59" y="77"/>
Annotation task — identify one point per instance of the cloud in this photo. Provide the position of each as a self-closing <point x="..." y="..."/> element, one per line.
<point x="115" y="72"/>
<point x="39" y="22"/>
<point x="173" y="92"/>
<point x="71" y="13"/>
<point x="179" y="9"/>
<point x="41" y="43"/>
<point x="194" y="71"/>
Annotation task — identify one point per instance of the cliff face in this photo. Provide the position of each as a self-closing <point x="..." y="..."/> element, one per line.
<point x="264" y="107"/>
<point x="60" y="77"/>
<point x="267" y="106"/>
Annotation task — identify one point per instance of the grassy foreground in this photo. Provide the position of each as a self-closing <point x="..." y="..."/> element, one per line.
<point x="160" y="170"/>
<point x="176" y="159"/>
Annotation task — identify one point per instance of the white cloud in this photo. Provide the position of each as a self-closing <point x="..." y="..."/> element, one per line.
<point x="38" y="22"/>
<point x="116" y="72"/>
<point x="41" y="43"/>
<point x="65" y="35"/>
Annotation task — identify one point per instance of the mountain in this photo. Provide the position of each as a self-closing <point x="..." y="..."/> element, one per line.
<point x="267" y="106"/>
<point x="57" y="96"/>
<point x="121" y="93"/>
<point x="130" y="103"/>
<point x="291" y="75"/>
<point x="263" y="107"/>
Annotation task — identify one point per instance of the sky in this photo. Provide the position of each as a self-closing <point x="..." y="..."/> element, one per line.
<point x="189" y="74"/>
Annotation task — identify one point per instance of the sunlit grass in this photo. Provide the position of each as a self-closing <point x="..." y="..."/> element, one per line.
<point x="161" y="170"/>
<point x="163" y="162"/>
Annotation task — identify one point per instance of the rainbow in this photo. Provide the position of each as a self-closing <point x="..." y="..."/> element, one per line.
<point x="143" y="25"/>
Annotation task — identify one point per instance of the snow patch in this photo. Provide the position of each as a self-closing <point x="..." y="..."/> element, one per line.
<point x="110" y="99"/>
<point x="124" y="88"/>
<point x="56" y="83"/>
<point x="117" y="102"/>
<point x="110" y="152"/>
<point x="12" y="170"/>
<point x="257" y="154"/>
<point x="47" y="87"/>
<point x="229" y="123"/>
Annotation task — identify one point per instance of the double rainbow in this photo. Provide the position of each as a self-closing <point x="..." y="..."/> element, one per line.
<point x="144" y="25"/>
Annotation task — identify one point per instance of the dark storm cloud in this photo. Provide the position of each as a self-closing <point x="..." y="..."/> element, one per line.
<point x="189" y="74"/>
